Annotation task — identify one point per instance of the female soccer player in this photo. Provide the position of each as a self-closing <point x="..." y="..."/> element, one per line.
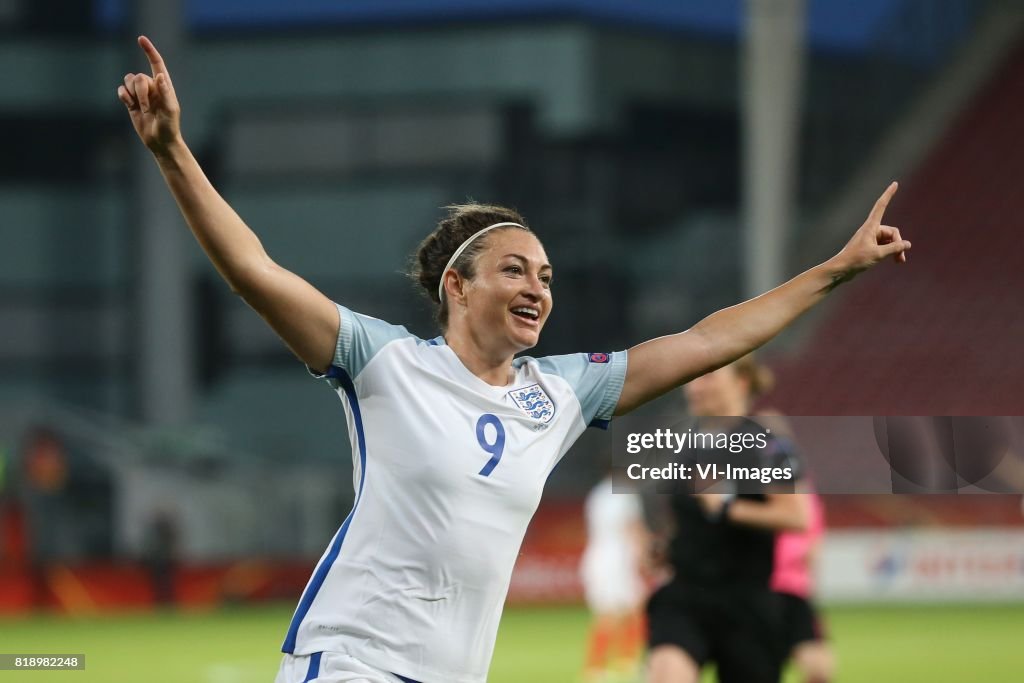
<point x="720" y="605"/>
<point x="453" y="437"/>
<point x="612" y="570"/>
<point x="793" y="580"/>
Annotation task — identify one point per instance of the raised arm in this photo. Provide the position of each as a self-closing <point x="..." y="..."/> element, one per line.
<point x="303" y="317"/>
<point x="659" y="365"/>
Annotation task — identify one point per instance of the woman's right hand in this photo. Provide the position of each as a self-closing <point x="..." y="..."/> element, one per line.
<point x="151" y="102"/>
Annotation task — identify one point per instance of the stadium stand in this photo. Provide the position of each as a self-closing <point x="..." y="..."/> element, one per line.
<point x="946" y="338"/>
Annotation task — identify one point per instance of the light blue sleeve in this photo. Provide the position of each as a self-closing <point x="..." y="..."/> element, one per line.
<point x="595" y="378"/>
<point x="360" y="337"/>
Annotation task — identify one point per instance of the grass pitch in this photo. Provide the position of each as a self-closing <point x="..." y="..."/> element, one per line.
<point x="240" y="645"/>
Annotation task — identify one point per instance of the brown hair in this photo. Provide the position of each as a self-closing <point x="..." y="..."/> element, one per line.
<point x="760" y="377"/>
<point x="462" y="222"/>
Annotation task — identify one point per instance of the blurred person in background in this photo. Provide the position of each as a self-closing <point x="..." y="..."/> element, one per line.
<point x="45" y="471"/>
<point x="793" y="573"/>
<point x="160" y="554"/>
<point x="411" y="587"/>
<point x="793" y="579"/>
<point x="720" y="605"/>
<point x="612" y="571"/>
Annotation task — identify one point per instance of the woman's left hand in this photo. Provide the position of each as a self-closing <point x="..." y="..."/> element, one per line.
<point x="872" y="242"/>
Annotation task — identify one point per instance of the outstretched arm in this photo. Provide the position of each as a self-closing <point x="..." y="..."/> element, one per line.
<point x="303" y="317"/>
<point x="659" y="365"/>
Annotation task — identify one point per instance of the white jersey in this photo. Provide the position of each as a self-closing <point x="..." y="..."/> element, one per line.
<point x="448" y="471"/>
<point x="610" y="566"/>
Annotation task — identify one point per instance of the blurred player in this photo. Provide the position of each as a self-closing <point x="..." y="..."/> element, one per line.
<point x="719" y="606"/>
<point x="793" y="579"/>
<point x="613" y="582"/>
<point x="452" y="438"/>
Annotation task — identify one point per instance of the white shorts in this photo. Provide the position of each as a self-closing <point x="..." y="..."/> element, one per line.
<point x="611" y="583"/>
<point x="330" y="667"/>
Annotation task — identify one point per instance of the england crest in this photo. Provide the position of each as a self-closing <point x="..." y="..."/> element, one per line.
<point x="534" y="402"/>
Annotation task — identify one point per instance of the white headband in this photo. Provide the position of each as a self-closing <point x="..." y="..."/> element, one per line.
<point x="462" y="248"/>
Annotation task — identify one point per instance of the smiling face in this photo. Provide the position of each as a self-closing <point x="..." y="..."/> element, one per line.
<point x="505" y="305"/>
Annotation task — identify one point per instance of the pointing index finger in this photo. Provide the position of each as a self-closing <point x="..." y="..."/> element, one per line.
<point x="155" y="60"/>
<point x="879" y="209"/>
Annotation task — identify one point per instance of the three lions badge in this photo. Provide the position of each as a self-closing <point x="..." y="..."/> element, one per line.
<point x="534" y="402"/>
